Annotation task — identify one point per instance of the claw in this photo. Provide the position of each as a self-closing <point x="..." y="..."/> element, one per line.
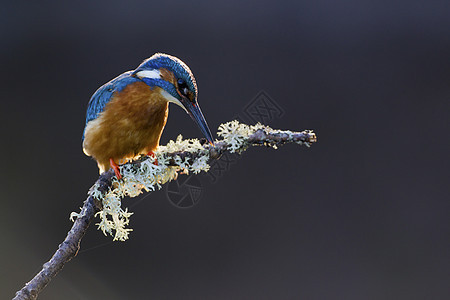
<point x="115" y="168"/>
<point x="152" y="154"/>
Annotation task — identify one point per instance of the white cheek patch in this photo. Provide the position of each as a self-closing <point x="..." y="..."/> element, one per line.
<point x="155" y="74"/>
<point x="149" y="74"/>
<point x="172" y="99"/>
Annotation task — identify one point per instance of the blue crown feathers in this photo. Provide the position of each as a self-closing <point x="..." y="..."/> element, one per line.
<point x="172" y="63"/>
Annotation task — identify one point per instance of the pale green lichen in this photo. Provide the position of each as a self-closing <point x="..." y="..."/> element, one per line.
<point x="149" y="175"/>
<point x="153" y="172"/>
<point x="235" y="134"/>
<point x="74" y="215"/>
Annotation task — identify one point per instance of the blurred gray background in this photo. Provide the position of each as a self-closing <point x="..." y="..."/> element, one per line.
<point x="362" y="214"/>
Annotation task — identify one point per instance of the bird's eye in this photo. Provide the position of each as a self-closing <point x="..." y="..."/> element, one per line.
<point x="182" y="86"/>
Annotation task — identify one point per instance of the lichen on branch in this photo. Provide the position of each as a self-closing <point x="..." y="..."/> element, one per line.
<point x="104" y="198"/>
<point x="149" y="173"/>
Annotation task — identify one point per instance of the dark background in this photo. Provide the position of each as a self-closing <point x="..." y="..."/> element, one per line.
<point x="362" y="214"/>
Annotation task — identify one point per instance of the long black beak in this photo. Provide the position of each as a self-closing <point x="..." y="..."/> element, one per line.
<point x="196" y="114"/>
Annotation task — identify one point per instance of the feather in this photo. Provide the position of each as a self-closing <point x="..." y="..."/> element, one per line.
<point x="105" y="93"/>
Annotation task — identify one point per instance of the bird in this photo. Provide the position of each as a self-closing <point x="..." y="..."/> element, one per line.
<point x="126" y="116"/>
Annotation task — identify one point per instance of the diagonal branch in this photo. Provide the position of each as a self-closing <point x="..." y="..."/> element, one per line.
<point x="68" y="249"/>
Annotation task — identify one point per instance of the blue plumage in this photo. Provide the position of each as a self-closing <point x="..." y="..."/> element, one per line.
<point x="167" y="86"/>
<point x="178" y="67"/>
<point x="104" y="94"/>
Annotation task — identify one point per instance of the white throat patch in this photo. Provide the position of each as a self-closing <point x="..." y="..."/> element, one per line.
<point x="172" y="99"/>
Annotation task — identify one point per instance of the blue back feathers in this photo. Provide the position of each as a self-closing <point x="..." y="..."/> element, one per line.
<point x="104" y="94"/>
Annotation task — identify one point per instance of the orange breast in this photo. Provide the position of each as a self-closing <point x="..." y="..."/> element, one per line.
<point x="131" y="124"/>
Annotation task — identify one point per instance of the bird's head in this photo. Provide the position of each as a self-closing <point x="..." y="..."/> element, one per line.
<point x="178" y="84"/>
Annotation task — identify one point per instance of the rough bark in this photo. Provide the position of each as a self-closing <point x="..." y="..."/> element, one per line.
<point x="69" y="248"/>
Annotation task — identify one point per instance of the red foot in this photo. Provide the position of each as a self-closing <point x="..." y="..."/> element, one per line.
<point x="150" y="153"/>
<point x="115" y="168"/>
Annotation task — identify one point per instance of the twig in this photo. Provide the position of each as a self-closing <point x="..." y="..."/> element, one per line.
<point x="71" y="245"/>
<point x="68" y="249"/>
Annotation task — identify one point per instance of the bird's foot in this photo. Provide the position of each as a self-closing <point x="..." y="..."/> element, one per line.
<point x="152" y="154"/>
<point x="115" y="167"/>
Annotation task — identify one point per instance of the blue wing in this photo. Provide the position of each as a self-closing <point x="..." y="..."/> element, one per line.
<point x="105" y="93"/>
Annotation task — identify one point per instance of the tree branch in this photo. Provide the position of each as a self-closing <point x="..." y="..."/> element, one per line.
<point x="69" y="248"/>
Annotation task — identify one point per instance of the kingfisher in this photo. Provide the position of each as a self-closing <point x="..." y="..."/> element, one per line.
<point x="126" y="116"/>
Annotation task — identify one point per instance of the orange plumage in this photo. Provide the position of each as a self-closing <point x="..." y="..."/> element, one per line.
<point x="131" y="124"/>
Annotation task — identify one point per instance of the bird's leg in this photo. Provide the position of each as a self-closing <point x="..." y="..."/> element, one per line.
<point x="152" y="154"/>
<point x="115" y="167"/>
